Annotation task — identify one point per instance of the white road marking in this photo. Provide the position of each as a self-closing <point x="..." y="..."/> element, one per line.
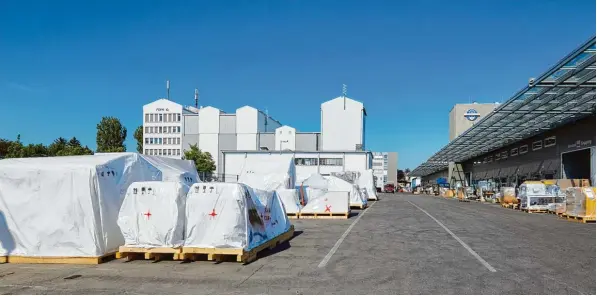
<point x="458" y="239"/>
<point x="327" y="257"/>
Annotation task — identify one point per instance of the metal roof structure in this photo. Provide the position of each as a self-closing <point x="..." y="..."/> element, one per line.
<point x="564" y="93"/>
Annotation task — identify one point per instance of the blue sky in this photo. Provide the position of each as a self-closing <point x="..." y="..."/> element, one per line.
<point x="65" y="64"/>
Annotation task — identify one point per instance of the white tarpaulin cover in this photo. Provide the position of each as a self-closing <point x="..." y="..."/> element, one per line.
<point x="171" y="169"/>
<point x="330" y="202"/>
<point x="337" y="184"/>
<point x="367" y="184"/>
<point x="315" y="181"/>
<point x="268" y="171"/>
<point x="290" y="199"/>
<point x="153" y="214"/>
<point x="66" y="206"/>
<point x="231" y="215"/>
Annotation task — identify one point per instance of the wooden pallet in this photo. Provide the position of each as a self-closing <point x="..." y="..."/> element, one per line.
<point x="57" y="260"/>
<point x="324" y="215"/>
<point x="534" y="211"/>
<point x="238" y="255"/>
<point x="292" y="215"/>
<point x="510" y="206"/>
<point x="156" y="254"/>
<point x="358" y="206"/>
<point x="580" y="219"/>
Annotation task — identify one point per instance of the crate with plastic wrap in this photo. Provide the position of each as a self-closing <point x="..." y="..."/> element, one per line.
<point x="580" y="202"/>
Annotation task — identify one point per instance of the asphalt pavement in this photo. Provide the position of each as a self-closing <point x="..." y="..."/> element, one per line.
<point x="402" y="244"/>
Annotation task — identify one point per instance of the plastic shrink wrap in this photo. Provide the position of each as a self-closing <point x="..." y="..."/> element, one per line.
<point x="328" y="202"/>
<point x="230" y="215"/>
<point x="66" y="206"/>
<point x="533" y="196"/>
<point x="580" y="201"/>
<point x="153" y="213"/>
<point x="508" y="195"/>
<point x="354" y="193"/>
<point x="290" y="199"/>
<point x="268" y="172"/>
<point x="367" y="184"/>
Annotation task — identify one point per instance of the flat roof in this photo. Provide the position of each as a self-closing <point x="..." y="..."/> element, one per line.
<point x="564" y="93"/>
<point x="292" y="151"/>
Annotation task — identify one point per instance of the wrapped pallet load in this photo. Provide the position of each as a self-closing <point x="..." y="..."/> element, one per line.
<point x="580" y="202"/>
<point x="354" y="194"/>
<point x="534" y="196"/>
<point x="367" y="184"/>
<point x="66" y="207"/>
<point x="230" y="219"/>
<point x="508" y="195"/>
<point x="321" y="201"/>
<point x="153" y="214"/>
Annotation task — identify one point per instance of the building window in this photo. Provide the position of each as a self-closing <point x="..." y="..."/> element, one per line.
<point x="331" y="161"/>
<point x="550" y="141"/>
<point x="169" y="117"/>
<point x="146" y="117"/>
<point x="523" y="149"/>
<point x="169" y="141"/>
<point x="169" y="129"/>
<point x="146" y="142"/>
<point x="514" y="152"/>
<point x="177" y="141"/>
<point x="537" y="145"/>
<point x="146" y="151"/>
<point x="305" y="161"/>
<point x="497" y="156"/>
<point x="147" y="129"/>
<point x="178" y="129"/>
<point x="177" y="151"/>
<point x="178" y="117"/>
<point x="160" y="117"/>
<point x="504" y="154"/>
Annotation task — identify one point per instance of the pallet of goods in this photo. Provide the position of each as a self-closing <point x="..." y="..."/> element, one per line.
<point x="580" y="204"/>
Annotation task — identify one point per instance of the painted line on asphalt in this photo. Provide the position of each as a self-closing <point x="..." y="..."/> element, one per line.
<point x="487" y="265"/>
<point x="327" y="257"/>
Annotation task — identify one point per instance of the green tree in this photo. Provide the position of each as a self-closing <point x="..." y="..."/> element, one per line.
<point x="15" y="149"/>
<point x="4" y="144"/>
<point x="203" y="160"/>
<point x="34" y="150"/>
<point x="111" y="135"/>
<point x="139" y="137"/>
<point x="57" y="146"/>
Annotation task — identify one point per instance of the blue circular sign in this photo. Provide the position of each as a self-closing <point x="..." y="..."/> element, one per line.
<point x="471" y="114"/>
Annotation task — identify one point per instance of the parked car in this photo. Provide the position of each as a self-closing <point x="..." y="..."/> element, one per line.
<point x="389" y="188"/>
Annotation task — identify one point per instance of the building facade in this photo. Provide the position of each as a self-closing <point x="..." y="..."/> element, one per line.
<point x="464" y="116"/>
<point x="385" y="168"/>
<point x="170" y="129"/>
<point x="306" y="162"/>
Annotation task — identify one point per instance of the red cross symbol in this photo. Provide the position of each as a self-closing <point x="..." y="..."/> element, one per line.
<point x="148" y="214"/>
<point x="328" y="208"/>
<point x="213" y="213"/>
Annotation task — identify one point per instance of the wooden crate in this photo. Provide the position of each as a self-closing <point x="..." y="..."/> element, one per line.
<point x="580" y="219"/>
<point x="238" y="255"/>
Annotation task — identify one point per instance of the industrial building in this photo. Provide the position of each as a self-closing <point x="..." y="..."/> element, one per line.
<point x="385" y="168"/>
<point x="545" y="131"/>
<point x="464" y="116"/>
<point x="170" y="129"/>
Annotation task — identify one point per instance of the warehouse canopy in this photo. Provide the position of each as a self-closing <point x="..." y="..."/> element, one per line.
<point x="564" y="93"/>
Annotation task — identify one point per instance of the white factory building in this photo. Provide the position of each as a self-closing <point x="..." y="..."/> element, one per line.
<point x="169" y="129"/>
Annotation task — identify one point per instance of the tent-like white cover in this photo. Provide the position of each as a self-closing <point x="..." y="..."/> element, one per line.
<point x="268" y="171"/>
<point x="153" y="214"/>
<point x="366" y="183"/>
<point x="183" y="171"/>
<point x="337" y="184"/>
<point x="66" y="206"/>
<point x="232" y="215"/>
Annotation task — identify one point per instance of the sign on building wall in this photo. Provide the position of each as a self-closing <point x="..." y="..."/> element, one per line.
<point x="471" y="115"/>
